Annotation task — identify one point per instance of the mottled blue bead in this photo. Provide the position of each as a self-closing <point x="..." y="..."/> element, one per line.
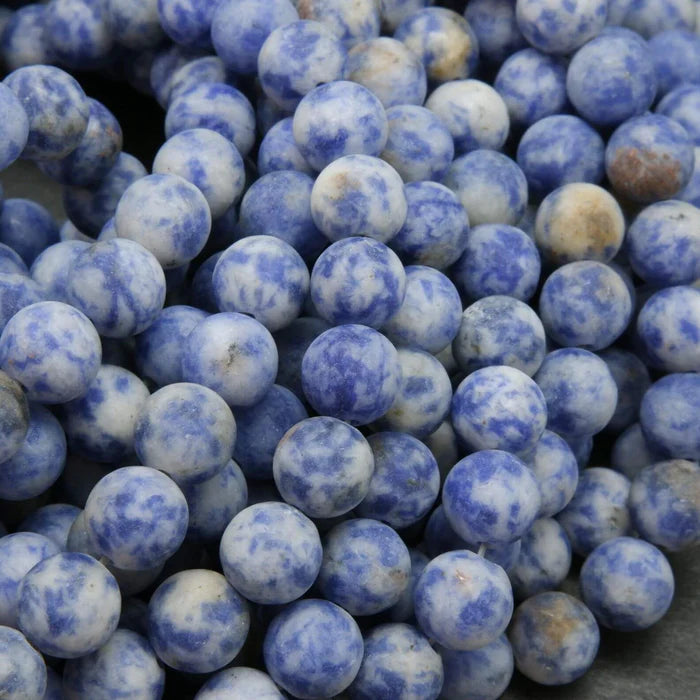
<point x="11" y="261"/>
<point x="632" y="379"/>
<point x="197" y="622"/>
<point x="581" y="393"/>
<point x="627" y="583"/>
<point x="27" y="227"/>
<point x="323" y="466"/>
<point x="555" y="638"/>
<point x="134" y="23"/>
<point x="23" y="38"/>
<point x="207" y="69"/>
<point x="402" y="611"/>
<point x="683" y="105"/>
<point x="53" y="521"/>
<point x="279" y="151"/>
<point x="14" y="416"/>
<point x="676" y="57"/>
<point x="496" y="28"/>
<point x="630" y="452"/>
<point x="24" y="671"/>
<point x="353" y="23"/>
<point x="51" y="269"/>
<point x="491" y="187"/>
<point x="17" y="292"/>
<point x="187" y="22"/>
<point x="532" y="85"/>
<point x="239" y="681"/>
<point x="649" y="17"/>
<point x="15" y="127"/>
<point x="232" y="354"/>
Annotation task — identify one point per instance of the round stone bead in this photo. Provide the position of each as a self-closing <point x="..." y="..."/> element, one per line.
<point x="463" y="601"/>
<point x="627" y="583"/>
<point x="278" y="150"/>
<point x="14" y="416"/>
<point x="24" y="671"/>
<point x="15" y="127"/>
<point x="56" y="107"/>
<point x="352" y="23"/>
<point x="135" y="23"/>
<point x="664" y="504"/>
<point x="69" y="605"/>
<point x="323" y="466"/>
<point x="136" y="517"/>
<point x="17" y="292"/>
<point x="27" y="227"/>
<point x="11" y="262"/>
<point x="359" y="195"/>
<point x="65" y="351"/>
<point x="328" y="649"/>
<point x="187" y="22"/>
<point x="651" y="16"/>
<point x="239" y="681"/>
<point x="53" y="521"/>
<point x="681" y="105"/>
<point x="51" y="269"/>
<point x="23" y="38"/>
<point x="676" y="57"/>
<point x="490" y="497"/>
<point x="555" y="638"/>
<point x="196" y="71"/>
<point x="351" y="372"/>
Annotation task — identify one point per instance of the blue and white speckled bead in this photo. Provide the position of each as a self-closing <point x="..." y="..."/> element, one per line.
<point x="598" y="510"/>
<point x="403" y="610"/>
<point x="134" y="23"/>
<point x="197" y="622"/>
<point x="69" y="605"/>
<point x="398" y="664"/>
<point x="126" y="664"/>
<point x="27" y="227"/>
<point x="481" y="674"/>
<point x="436" y="227"/>
<point x="491" y="187"/>
<point x="668" y="327"/>
<point x="278" y="150"/>
<point x="351" y="372"/>
<point x="187" y="22"/>
<point x="648" y="17"/>
<point x="429" y="316"/>
<point x="22" y="38"/>
<point x="19" y="553"/>
<point x="11" y="262"/>
<point x="56" y="107"/>
<point x="17" y="292"/>
<point x="390" y="70"/>
<point x="663" y="243"/>
<point x="65" y="351"/>
<point x="14" y="416"/>
<point x="239" y="681"/>
<point x="207" y="69"/>
<point x="338" y="119"/>
<point x="631" y="453"/>
<point x="579" y="221"/>
<point x="232" y="354"/>
<point x="532" y="85"/>
<point x="496" y="28"/>
<point x="443" y="40"/>
<point x="463" y="601"/>
<point x="271" y="553"/>
<point x="53" y="521"/>
<point x="555" y="469"/>
<point x="490" y="497"/>
<point x="313" y="648"/>
<point x="51" y="269"/>
<point x="358" y="280"/>
<point x="24" y="674"/>
<point x="649" y="158"/>
<point x="544" y="560"/>
<point x="323" y="467"/>
<point x="405" y="483"/>
<point x="424" y="397"/>
<point x="473" y="112"/>
<point x="15" y="127"/>
<point x="664" y="504"/>
<point x="499" y="330"/>
<point x="676" y="56"/>
<point x="262" y="276"/>
<point x="627" y="583"/>
<point x="683" y="105"/>
<point x="353" y="23"/>
<point x="499" y="408"/>
<point x="555" y="638"/>
<point x="136" y="517"/>
<point x="207" y="160"/>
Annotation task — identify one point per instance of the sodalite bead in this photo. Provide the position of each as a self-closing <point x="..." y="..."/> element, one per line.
<point x="69" y="605"/>
<point x="125" y="664"/>
<point x="15" y="129"/>
<point x="185" y="430"/>
<point x="351" y="372"/>
<point x="187" y="22"/>
<point x="19" y="553"/>
<point x="134" y="23"/>
<point x="197" y="622"/>
<point x="532" y="85"/>
<point x="627" y="583"/>
<point x="390" y="70"/>
<point x="90" y="208"/>
<point x="24" y="671"/>
<point x="649" y="158"/>
<point x="663" y="243"/>
<point x="22" y="38"/>
<point x="136" y="516"/>
<point x="278" y="150"/>
<point x="429" y="316"/>
<point x="339" y="119"/>
<point x="51" y="269"/>
<point x="313" y="648"/>
<point x="496" y="28"/>
<point x="398" y="664"/>
<point x="27" y="227"/>
<point x="648" y="17"/>
<point x="297" y="57"/>
<point x="53" y="521"/>
<point x="669" y="329"/>
<point x="232" y="354"/>
<point x="56" y="107"/>
<point x="65" y="351"/>
<point x="17" y="292"/>
<point x="359" y="195"/>
<point x="11" y="262"/>
<point x="544" y="559"/>
<point x="239" y="681"/>
<point x="207" y="69"/>
<point x="676" y="57"/>
<point x="443" y="40"/>
<point x="424" y="396"/>
<point x="353" y="23"/>
<point x="463" y="601"/>
<point x="632" y="379"/>
<point x="14" y="416"/>
<point x="555" y="469"/>
<point x="490" y="497"/>
<point x="207" y="160"/>
<point x="555" y="638"/>
<point x="682" y="105"/>
<point x="262" y="276"/>
<point x="403" y="610"/>
<point x="481" y="674"/>
<point x="271" y="553"/>
<point x="491" y="187"/>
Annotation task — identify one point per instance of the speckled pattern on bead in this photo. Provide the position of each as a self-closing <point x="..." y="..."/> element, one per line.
<point x="51" y="269"/>
<point x="53" y="521"/>
<point x="15" y="126"/>
<point x="16" y="292"/>
<point x="24" y="671"/>
<point x="278" y="150"/>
